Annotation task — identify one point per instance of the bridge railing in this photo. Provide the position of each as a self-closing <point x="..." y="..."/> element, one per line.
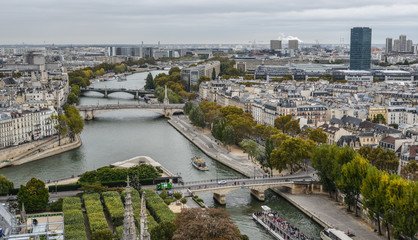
<point x="277" y="178"/>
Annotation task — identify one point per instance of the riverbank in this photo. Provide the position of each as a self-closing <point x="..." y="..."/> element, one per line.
<point x="329" y="214"/>
<point x="208" y="145"/>
<point x="48" y="148"/>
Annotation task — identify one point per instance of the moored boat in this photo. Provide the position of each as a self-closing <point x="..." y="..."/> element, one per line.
<point x="199" y="163"/>
<point x="331" y="234"/>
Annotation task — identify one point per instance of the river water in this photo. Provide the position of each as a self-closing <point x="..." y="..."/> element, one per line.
<point x="120" y="135"/>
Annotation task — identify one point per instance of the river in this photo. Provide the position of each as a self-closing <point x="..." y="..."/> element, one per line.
<point x="120" y="135"/>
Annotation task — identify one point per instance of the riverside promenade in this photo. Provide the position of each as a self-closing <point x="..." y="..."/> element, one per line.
<point x="207" y="144"/>
<point x="330" y="214"/>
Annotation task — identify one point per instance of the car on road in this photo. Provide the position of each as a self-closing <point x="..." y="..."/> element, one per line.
<point x="222" y="182"/>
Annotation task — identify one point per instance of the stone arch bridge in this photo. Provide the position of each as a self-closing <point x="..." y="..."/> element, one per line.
<point x="90" y="111"/>
<point x="295" y="184"/>
<point x="137" y="93"/>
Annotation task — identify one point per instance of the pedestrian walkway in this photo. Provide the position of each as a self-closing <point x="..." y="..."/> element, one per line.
<point x="331" y="214"/>
<point x="208" y="145"/>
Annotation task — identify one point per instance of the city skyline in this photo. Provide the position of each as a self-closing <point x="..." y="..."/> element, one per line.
<point x="187" y="22"/>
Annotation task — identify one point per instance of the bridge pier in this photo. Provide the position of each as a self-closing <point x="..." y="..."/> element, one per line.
<point x="299" y="188"/>
<point x="136" y="95"/>
<point x="88" y="115"/>
<point x="220" y="198"/>
<point x="105" y="94"/>
<point x="259" y="195"/>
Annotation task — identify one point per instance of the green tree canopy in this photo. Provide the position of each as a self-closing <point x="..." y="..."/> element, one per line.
<point x="379" y="118"/>
<point x="76" y="89"/>
<point x="188" y="107"/>
<point x="250" y="147"/>
<point x="72" y="98"/>
<point x="383" y="159"/>
<point x="75" y="123"/>
<point x="317" y="135"/>
<point x="352" y="175"/>
<point x="280" y="122"/>
<point x="231" y="110"/>
<point x="211" y="111"/>
<point x="5" y="185"/>
<point x="34" y="195"/>
<point x="174" y="70"/>
<point x="323" y="160"/>
<point x="373" y="190"/>
<point x="228" y="135"/>
<point x="149" y="82"/>
<point x="409" y="171"/>
<point x="291" y="153"/>
<point x="197" y="117"/>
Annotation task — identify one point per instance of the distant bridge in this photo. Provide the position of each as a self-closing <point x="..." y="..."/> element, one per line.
<point x="303" y="183"/>
<point x="90" y="111"/>
<point x="106" y="91"/>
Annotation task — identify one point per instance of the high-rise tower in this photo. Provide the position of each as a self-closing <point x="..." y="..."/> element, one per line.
<point x="360" y="48"/>
<point x="388" y="45"/>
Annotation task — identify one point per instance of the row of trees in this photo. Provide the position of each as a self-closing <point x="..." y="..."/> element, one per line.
<point x="385" y="195"/>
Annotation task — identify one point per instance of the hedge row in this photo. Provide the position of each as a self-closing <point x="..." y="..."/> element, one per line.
<point x="64" y="187"/>
<point x="136" y="204"/>
<point x="157" y="207"/>
<point x="114" y="207"/>
<point x="94" y="211"/>
<point x="73" y="219"/>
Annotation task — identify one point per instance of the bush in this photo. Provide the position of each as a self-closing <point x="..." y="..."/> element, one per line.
<point x="94" y="211"/>
<point x="157" y="207"/>
<point x="177" y="195"/>
<point x="168" y="201"/>
<point x="109" y="174"/>
<point x="183" y="200"/>
<point x="73" y="219"/>
<point x="65" y="187"/>
<point x="163" y="194"/>
<point x="55" y="206"/>
<point x="114" y="207"/>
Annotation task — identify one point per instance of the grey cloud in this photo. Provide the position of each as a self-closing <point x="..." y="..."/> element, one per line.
<point x="193" y="21"/>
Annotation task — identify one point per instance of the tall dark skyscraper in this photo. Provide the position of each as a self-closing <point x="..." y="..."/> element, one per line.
<point x="360" y="48"/>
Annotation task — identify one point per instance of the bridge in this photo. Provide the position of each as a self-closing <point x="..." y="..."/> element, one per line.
<point x="90" y="111"/>
<point x="106" y="91"/>
<point x="300" y="183"/>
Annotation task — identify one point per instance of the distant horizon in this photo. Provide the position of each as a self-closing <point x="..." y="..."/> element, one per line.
<point x="107" y="22"/>
<point x="168" y="44"/>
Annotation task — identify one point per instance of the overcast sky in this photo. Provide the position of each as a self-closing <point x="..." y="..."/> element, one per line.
<point x="198" y="21"/>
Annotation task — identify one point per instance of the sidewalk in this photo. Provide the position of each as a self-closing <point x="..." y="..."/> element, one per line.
<point x="331" y="214"/>
<point x="208" y="145"/>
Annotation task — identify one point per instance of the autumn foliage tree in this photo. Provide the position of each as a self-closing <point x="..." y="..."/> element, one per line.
<point x="208" y="223"/>
<point x="385" y="160"/>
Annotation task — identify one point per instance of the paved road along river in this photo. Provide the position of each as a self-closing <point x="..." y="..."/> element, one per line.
<point x="120" y="135"/>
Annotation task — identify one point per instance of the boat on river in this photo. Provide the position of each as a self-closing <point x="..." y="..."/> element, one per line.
<point x="199" y="163"/>
<point x="122" y="78"/>
<point x="331" y="234"/>
<point x="277" y="226"/>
